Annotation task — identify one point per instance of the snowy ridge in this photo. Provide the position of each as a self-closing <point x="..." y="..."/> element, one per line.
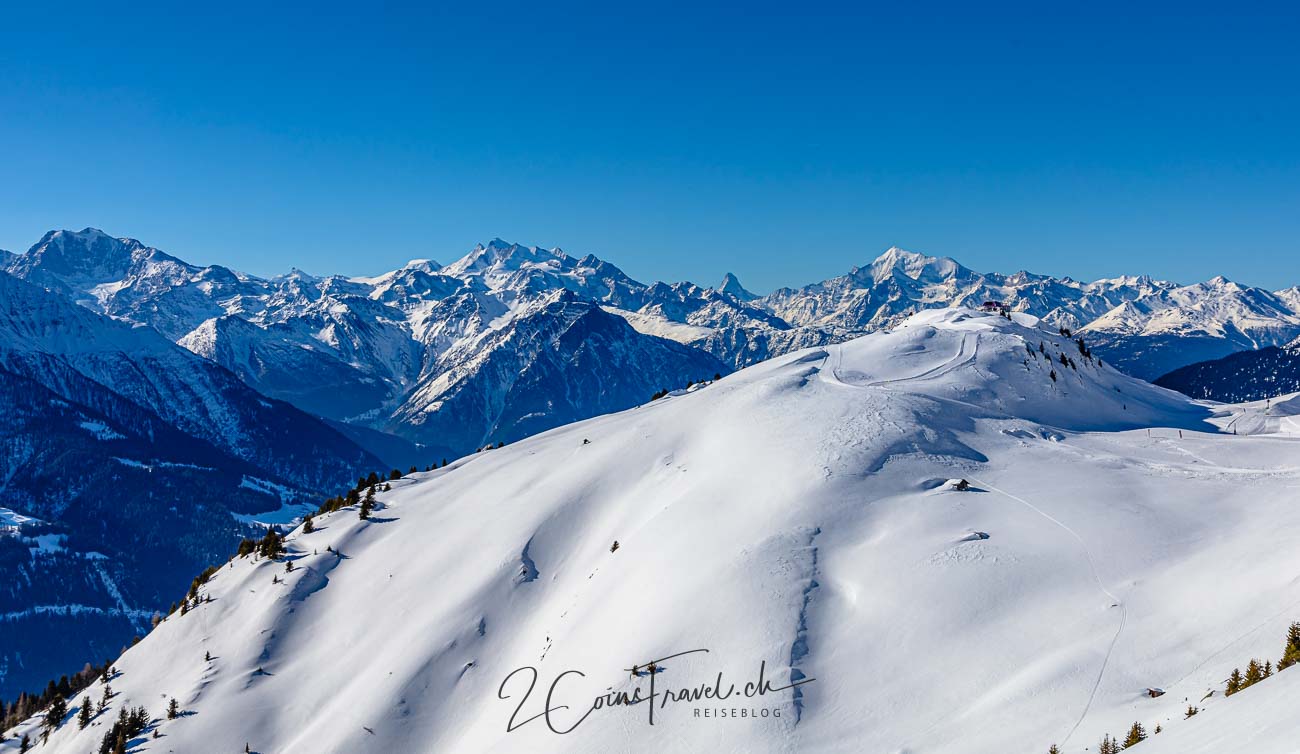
<point x="795" y="515"/>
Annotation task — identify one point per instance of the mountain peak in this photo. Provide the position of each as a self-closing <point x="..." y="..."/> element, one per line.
<point x="913" y="265"/>
<point x="894" y="256"/>
<point x="87" y="255"/>
<point x="731" y="286"/>
<point x="501" y="254"/>
<point x="424" y="265"/>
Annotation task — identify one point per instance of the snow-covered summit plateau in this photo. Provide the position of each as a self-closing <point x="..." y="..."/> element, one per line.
<point x="797" y="516"/>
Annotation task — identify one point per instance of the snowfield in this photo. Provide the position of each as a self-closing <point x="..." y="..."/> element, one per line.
<point x="800" y="519"/>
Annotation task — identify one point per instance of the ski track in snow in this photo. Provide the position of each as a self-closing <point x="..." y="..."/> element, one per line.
<point x="1288" y="610"/>
<point x="1092" y="565"/>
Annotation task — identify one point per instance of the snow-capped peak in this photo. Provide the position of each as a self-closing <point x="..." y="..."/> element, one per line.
<point x="731" y="286"/>
<point x="913" y="265"/>
<point x="423" y="265"/>
<point x="499" y="255"/>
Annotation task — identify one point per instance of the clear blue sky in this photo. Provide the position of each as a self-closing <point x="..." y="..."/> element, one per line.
<point x="786" y="142"/>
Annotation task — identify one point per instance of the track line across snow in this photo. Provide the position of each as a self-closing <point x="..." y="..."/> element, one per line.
<point x="1092" y="565"/>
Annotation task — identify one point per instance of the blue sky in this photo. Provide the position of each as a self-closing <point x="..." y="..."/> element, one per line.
<point x="785" y="142"/>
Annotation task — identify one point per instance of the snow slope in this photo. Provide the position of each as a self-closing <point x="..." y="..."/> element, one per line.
<point x="1259" y="720"/>
<point x="793" y="516"/>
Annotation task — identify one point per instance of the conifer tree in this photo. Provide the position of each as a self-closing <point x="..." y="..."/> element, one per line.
<point x="1254" y="674"/>
<point x="54" y="715"/>
<point x="1191" y="712"/>
<point x="1234" y="682"/>
<point x="25" y="745"/>
<point x="272" y="544"/>
<point x="1108" y="745"/>
<point x="1291" y="654"/>
<point x="1054" y="749"/>
<point x="173" y="709"/>
<point x="83" y="715"/>
<point x="1136" y="735"/>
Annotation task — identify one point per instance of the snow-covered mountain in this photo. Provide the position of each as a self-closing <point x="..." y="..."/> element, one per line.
<point x="378" y="352"/>
<point x="1145" y="327"/>
<point x="369" y="350"/>
<point x="50" y="340"/>
<point x="801" y="521"/>
<point x="133" y="461"/>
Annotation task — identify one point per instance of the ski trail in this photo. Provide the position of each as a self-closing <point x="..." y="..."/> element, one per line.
<point x="1289" y="608"/>
<point x="1092" y="565"/>
<point x="959" y="359"/>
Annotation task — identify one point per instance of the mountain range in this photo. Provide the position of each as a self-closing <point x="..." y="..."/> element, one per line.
<point x="395" y="351"/>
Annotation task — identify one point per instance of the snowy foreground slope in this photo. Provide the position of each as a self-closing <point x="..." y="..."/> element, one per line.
<point x="793" y="515"/>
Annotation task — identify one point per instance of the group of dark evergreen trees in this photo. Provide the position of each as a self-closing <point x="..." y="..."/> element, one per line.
<point x="665" y="391"/>
<point x="55" y="692"/>
<point x="1064" y="360"/>
<point x="1109" y="745"/>
<point x="130" y="723"/>
<point x="366" y="486"/>
<point x="1256" y="672"/>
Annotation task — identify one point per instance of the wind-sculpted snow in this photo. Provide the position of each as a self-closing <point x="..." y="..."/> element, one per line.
<point x="805" y="521"/>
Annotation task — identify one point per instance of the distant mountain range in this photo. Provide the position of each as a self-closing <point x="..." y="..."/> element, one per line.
<point x="155" y="407"/>
<point x="389" y="352"/>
